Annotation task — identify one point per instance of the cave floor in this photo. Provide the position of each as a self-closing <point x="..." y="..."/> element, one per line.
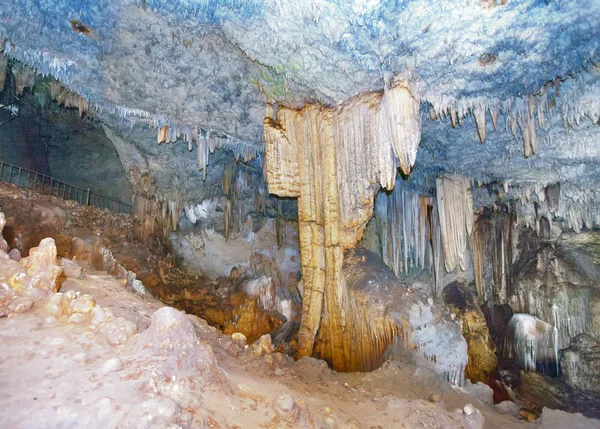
<point x="159" y="367"/>
<point x="179" y="372"/>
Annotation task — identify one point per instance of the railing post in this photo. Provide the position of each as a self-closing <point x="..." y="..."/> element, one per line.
<point x="87" y="199"/>
<point x="19" y="178"/>
<point x="1" y="168"/>
<point x="28" y="176"/>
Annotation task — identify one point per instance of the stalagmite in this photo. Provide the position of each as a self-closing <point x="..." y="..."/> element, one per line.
<point x="455" y="205"/>
<point x="334" y="160"/>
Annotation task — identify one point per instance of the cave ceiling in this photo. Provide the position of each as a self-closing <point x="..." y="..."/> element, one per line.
<point x="214" y="64"/>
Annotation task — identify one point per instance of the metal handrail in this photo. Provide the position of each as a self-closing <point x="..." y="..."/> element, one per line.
<point x="47" y="185"/>
<point x="9" y="107"/>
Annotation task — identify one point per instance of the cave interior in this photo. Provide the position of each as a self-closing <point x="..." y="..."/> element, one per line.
<point x="284" y="213"/>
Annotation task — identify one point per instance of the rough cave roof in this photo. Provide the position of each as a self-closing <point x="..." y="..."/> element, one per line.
<point x="213" y="64"/>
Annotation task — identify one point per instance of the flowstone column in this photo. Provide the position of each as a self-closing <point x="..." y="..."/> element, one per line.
<point x="334" y="160"/>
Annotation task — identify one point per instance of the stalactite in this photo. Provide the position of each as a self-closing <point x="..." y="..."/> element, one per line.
<point x="256" y="202"/>
<point x="531" y="342"/>
<point x="524" y="113"/>
<point x="153" y="215"/>
<point x="455" y="205"/>
<point x="67" y="98"/>
<point x="212" y="142"/>
<point x="453" y="117"/>
<point x="401" y="124"/>
<point x="513" y="125"/>
<point x="279" y="224"/>
<point x="282" y="170"/>
<point x="497" y="240"/>
<point x="406" y="227"/>
<point x="55" y="89"/>
<point x="202" y="154"/>
<point x="263" y="201"/>
<point x="432" y="113"/>
<point x="477" y="256"/>
<point x="479" y="115"/>
<point x="438" y="256"/>
<point x="528" y="129"/>
<point x="24" y="77"/>
<point x="552" y="196"/>
<point x="227" y="218"/>
<point x="3" y="68"/>
<point x="494" y="112"/>
<point x="229" y="173"/>
<point x="162" y="134"/>
<point x="407" y="231"/>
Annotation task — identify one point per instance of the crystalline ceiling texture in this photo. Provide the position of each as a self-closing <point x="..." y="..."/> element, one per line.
<point x="213" y="63"/>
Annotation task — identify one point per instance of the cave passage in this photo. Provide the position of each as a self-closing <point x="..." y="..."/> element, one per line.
<point x="300" y="214"/>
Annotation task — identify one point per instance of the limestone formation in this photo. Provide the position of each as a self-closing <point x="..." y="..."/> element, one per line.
<point x="375" y="184"/>
<point x="3" y="243"/>
<point x="455" y="208"/>
<point x="3" y="63"/>
<point x="334" y="160"/>
<point x="481" y="349"/>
